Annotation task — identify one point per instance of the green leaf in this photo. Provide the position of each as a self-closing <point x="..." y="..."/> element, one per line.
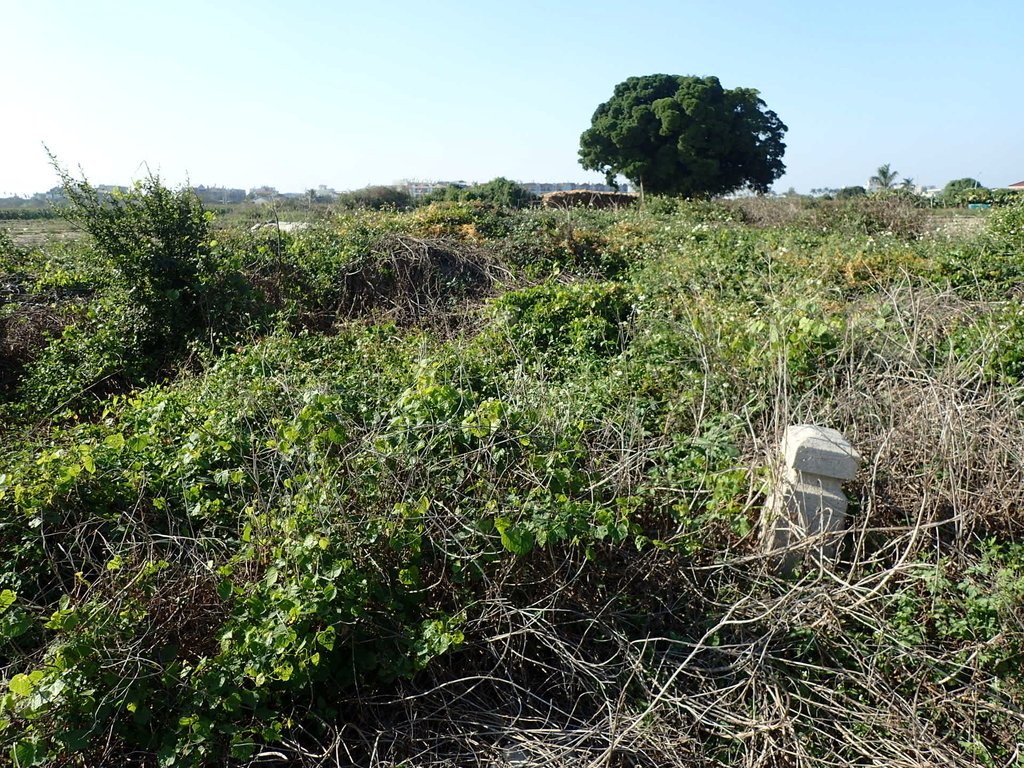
<point x="63" y="619"/>
<point x="284" y="671"/>
<point x="26" y="753"/>
<point x="7" y="598"/>
<point x="224" y="589"/>
<point x="20" y="685"/>
<point x="74" y="741"/>
<point x="242" y="750"/>
<point x="326" y="638"/>
<point x="514" y="538"/>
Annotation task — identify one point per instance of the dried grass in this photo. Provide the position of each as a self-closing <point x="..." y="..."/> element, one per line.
<point x="414" y="280"/>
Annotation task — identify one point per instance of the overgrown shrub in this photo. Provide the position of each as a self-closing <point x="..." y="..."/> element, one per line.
<point x="375" y="198"/>
<point x="159" y="244"/>
<point x="763" y="211"/>
<point x="583" y="242"/>
<point x="894" y="215"/>
<point x="156" y="282"/>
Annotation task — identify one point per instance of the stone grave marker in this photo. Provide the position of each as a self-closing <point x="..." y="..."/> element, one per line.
<point x="805" y="515"/>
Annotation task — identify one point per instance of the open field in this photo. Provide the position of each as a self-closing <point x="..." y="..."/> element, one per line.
<point x="469" y="485"/>
<point x="35" y="233"/>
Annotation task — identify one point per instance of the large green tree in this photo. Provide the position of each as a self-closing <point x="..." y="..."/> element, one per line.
<point x="958" y="186"/>
<point x="685" y="135"/>
<point x="964" y="191"/>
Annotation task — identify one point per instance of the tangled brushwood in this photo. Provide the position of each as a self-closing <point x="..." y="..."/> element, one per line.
<point x="479" y="486"/>
<point x="413" y="279"/>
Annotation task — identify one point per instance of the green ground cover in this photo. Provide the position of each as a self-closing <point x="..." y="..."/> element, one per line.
<point x="464" y="483"/>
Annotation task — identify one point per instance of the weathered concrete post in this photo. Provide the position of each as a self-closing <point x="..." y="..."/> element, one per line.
<point x="805" y="515"/>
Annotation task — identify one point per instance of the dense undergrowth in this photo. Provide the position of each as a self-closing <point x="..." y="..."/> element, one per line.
<point x="469" y="485"/>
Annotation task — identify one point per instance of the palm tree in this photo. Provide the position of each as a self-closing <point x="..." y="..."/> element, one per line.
<point x="907" y="183"/>
<point x="885" y="178"/>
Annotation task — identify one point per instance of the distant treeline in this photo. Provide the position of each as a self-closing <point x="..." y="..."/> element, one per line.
<point x="22" y="214"/>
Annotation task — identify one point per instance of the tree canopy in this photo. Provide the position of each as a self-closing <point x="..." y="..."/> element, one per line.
<point x="956" y="186"/>
<point x="498" y="191"/>
<point x="884" y="178"/>
<point x="685" y="135"/>
<point x="847" y="193"/>
<point x="966" y="191"/>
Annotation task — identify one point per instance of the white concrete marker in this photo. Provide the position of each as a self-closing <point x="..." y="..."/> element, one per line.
<point x="805" y="515"/>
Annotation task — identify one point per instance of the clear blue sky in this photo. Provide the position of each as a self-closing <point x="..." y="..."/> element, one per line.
<point x="353" y="93"/>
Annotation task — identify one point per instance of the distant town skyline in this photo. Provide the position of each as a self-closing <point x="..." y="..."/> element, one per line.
<point x="350" y="94"/>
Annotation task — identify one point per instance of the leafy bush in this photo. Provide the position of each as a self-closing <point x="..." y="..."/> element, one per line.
<point x="995" y="342"/>
<point x="247" y="602"/>
<point x="993" y="263"/>
<point x="375" y="198"/>
<point x="762" y="211"/>
<point x="150" y="283"/>
<point x="159" y="243"/>
<point x="1006" y="228"/>
<point x="586" y="243"/>
<point x="565" y="326"/>
<point x="101" y="351"/>
<point x="464" y="219"/>
<point x="959" y="192"/>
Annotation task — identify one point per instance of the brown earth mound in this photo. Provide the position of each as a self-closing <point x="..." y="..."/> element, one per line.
<point x="587" y="198"/>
